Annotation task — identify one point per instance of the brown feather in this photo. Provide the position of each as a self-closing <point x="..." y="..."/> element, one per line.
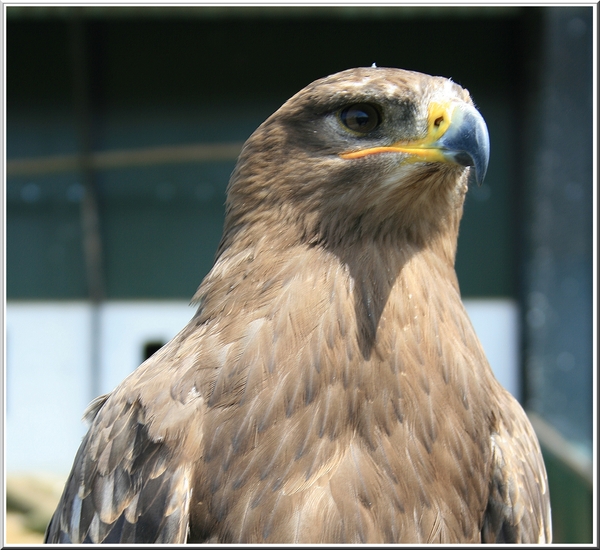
<point x="330" y="387"/>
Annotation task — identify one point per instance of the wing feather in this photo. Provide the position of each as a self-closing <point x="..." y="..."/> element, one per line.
<point x="125" y="487"/>
<point x="518" y="509"/>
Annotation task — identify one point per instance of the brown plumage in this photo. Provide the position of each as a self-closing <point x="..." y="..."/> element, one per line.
<point x="330" y="387"/>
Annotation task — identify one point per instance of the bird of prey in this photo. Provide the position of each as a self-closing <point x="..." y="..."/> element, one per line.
<point x="330" y="387"/>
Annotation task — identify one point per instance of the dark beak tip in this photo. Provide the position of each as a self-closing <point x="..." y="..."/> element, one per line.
<point x="482" y="156"/>
<point x="480" y="171"/>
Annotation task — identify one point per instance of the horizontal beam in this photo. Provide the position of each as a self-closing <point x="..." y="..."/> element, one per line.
<point x="107" y="160"/>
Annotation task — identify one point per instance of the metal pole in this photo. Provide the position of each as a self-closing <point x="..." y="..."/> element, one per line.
<point x="90" y="216"/>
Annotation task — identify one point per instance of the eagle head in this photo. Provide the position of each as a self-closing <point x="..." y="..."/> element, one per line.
<point x="367" y="151"/>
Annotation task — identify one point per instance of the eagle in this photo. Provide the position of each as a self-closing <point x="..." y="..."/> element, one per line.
<point x="330" y="387"/>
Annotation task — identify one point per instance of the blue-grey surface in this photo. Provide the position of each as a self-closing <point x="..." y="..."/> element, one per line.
<point x="558" y="315"/>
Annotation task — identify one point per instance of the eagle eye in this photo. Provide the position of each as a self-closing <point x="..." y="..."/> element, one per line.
<point x="361" y="118"/>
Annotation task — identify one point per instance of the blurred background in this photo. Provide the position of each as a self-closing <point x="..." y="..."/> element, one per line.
<point x="122" y="128"/>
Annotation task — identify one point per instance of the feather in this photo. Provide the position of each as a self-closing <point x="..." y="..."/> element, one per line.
<point x="330" y="387"/>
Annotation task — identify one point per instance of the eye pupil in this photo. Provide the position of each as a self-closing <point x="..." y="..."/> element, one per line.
<point x="361" y="118"/>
